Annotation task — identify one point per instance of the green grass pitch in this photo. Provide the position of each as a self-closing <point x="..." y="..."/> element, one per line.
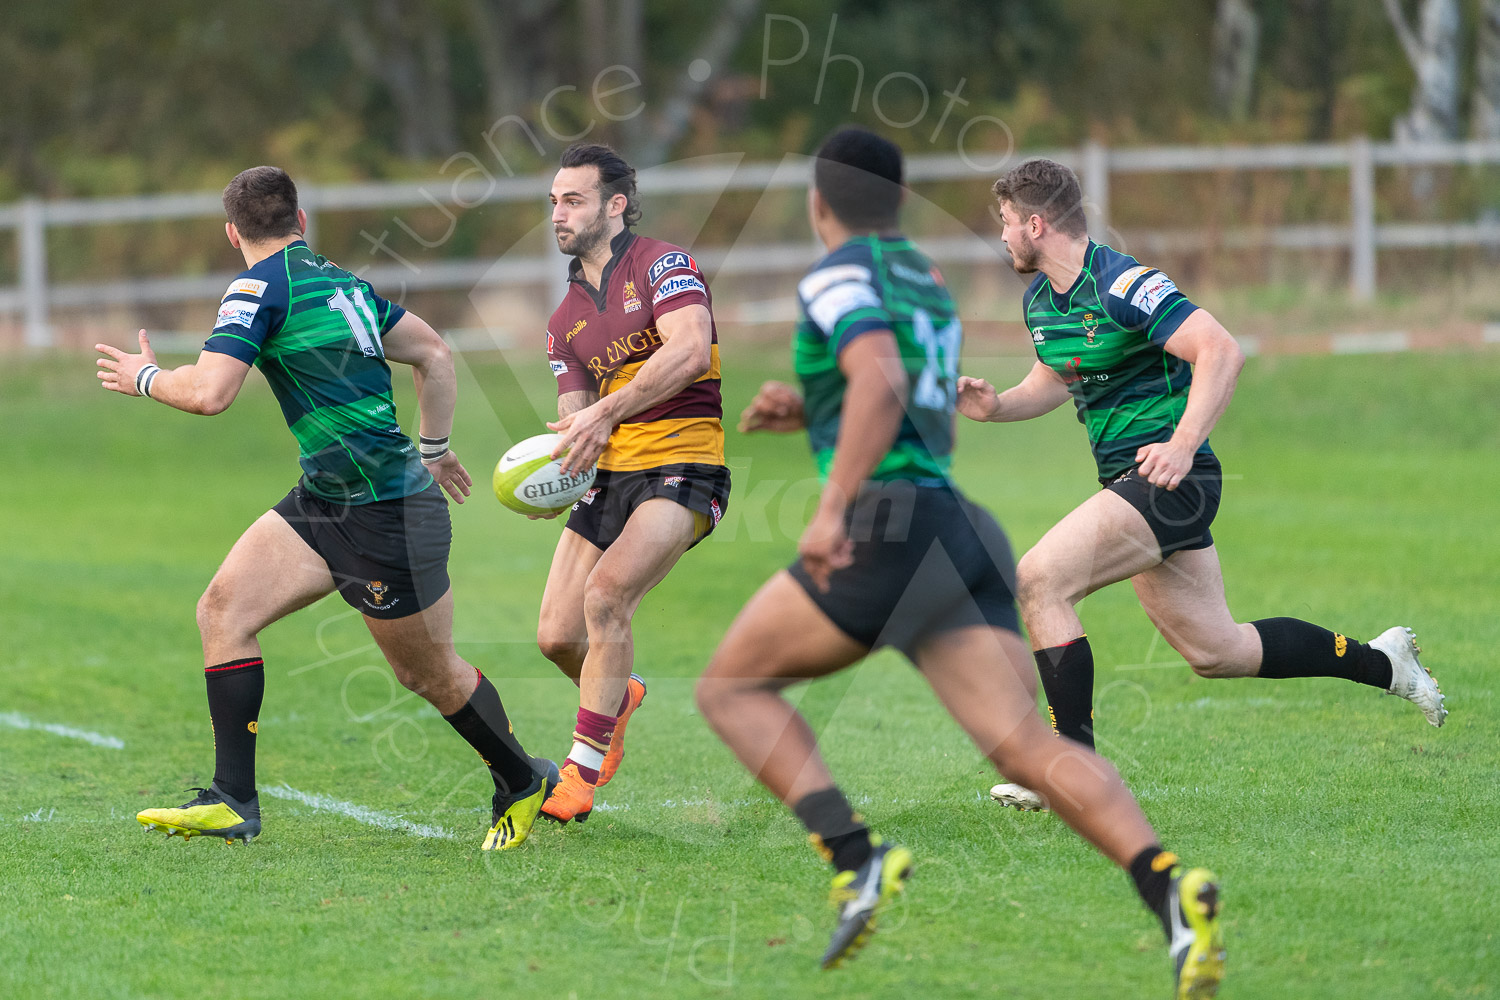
<point x="1358" y="846"/>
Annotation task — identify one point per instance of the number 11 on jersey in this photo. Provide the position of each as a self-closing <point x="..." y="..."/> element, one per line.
<point x="361" y="319"/>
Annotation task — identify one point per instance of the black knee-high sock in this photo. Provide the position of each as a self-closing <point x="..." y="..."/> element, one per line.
<point x="235" y="690"/>
<point x="835" y="829"/>
<point x="1067" y="673"/>
<point x="483" y="722"/>
<point x="1151" y="870"/>
<point x="1294" y="648"/>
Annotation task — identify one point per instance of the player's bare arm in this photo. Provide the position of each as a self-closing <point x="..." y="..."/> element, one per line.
<point x="1041" y="391"/>
<point x="206" y="387"/>
<point x="570" y="403"/>
<point x="777" y="407"/>
<point x="686" y="354"/>
<point x="413" y="342"/>
<point x="1203" y="342"/>
<point x="871" y="418"/>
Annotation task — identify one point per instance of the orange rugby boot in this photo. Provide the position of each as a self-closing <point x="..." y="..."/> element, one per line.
<point x="636" y="689"/>
<point x="573" y="798"/>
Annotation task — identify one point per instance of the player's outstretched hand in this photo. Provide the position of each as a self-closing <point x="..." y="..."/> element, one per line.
<point x="825" y="546"/>
<point x="777" y="407"/>
<point x="452" y="476"/>
<point x="585" y="433"/>
<point x="1164" y="464"/>
<point x="548" y="516"/>
<point x="118" y="370"/>
<point x="977" y="399"/>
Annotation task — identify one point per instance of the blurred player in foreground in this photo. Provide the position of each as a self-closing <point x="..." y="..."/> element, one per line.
<point x="367" y="519"/>
<point x="896" y="556"/>
<point x="636" y="357"/>
<point x="1150" y="374"/>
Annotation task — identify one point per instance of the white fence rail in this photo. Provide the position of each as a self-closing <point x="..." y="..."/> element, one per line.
<point x="34" y="296"/>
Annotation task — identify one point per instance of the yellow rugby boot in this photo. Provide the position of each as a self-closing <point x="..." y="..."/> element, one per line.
<point x="211" y="814"/>
<point x="512" y="816"/>
<point x="861" y="895"/>
<point x="1195" y="935"/>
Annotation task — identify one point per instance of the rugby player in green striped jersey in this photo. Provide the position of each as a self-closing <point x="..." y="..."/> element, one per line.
<point x="897" y="556"/>
<point x="1150" y="374"/>
<point x="368" y="517"/>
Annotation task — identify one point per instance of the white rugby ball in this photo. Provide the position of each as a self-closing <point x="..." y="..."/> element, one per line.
<point x="529" y="480"/>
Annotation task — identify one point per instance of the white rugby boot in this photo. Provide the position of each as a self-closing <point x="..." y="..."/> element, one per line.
<point x="1018" y="797"/>
<point x="1409" y="679"/>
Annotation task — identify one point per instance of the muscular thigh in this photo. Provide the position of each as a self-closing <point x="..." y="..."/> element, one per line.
<point x="1184" y="598"/>
<point x="561" y="616"/>
<point x="781" y="637"/>
<point x="269" y="573"/>
<point x="658" y="533"/>
<point x="1101" y="541"/>
<point x="986" y="679"/>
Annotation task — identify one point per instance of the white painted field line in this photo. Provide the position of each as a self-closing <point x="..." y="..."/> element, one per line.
<point x="358" y="813"/>
<point x="15" y="720"/>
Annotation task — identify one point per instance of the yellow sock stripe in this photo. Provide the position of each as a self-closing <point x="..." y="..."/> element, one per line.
<point x="601" y="747"/>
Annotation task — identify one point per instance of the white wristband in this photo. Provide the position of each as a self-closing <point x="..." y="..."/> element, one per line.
<point x="144" y="378"/>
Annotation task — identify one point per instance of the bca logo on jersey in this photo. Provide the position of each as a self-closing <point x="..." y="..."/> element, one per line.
<point x="667" y="262"/>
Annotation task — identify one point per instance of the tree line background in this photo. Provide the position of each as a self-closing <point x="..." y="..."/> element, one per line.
<point x="102" y="97"/>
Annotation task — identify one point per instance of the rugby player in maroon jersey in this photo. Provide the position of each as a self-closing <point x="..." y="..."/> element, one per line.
<point x="636" y="356"/>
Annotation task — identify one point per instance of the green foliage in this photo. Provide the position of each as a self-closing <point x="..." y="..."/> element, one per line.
<point x="110" y="98"/>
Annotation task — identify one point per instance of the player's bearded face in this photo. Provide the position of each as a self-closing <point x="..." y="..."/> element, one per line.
<point x="1024" y="256"/>
<point x="584" y="241"/>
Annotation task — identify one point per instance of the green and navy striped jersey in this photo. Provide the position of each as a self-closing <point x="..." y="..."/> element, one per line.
<point x="314" y="331"/>
<point x="1105" y="338"/>
<point x="876" y="283"/>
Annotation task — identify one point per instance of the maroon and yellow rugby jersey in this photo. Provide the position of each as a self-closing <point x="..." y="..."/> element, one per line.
<point x="599" y="338"/>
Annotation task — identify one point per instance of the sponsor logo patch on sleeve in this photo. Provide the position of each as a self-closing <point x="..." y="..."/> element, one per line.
<point x="676" y="285"/>
<point x="838" y="301"/>
<point x="1125" y="280"/>
<point x="246" y="286"/>
<point x="236" y="313"/>
<point x="1153" y="293"/>
<point x="558" y="367"/>
<point x="668" y="262"/>
<point x="814" y="284"/>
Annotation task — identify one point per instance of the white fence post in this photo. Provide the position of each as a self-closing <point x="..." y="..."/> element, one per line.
<point x="31" y="239"/>
<point x="1096" y="190"/>
<point x="1361" y="220"/>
